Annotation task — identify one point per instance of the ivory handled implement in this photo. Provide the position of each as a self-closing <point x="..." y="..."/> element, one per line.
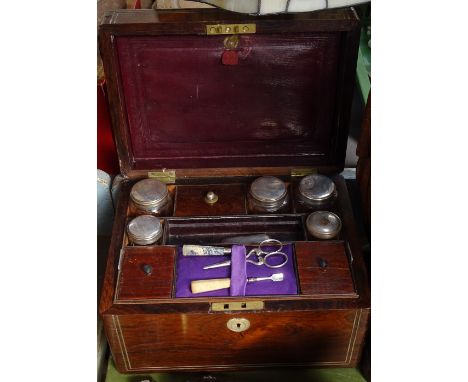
<point x="200" y="286"/>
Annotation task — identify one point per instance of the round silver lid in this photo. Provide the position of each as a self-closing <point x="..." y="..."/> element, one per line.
<point x="268" y="189"/>
<point x="145" y="228"/>
<point x="323" y="224"/>
<point x="316" y="187"/>
<point x="149" y="192"/>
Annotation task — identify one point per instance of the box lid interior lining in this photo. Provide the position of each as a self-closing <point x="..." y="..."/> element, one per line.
<point x="185" y="109"/>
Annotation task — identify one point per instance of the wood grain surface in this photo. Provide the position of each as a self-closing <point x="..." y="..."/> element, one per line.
<point x="134" y="284"/>
<point x="191" y="341"/>
<point x="190" y="200"/>
<point x="315" y="56"/>
<point x="341" y="287"/>
<point x="323" y="269"/>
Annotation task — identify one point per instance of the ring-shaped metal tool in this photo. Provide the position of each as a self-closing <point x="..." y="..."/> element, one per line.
<point x="270" y="242"/>
<point x="263" y="255"/>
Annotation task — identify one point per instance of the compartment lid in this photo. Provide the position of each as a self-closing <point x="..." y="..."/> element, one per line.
<point x="174" y="104"/>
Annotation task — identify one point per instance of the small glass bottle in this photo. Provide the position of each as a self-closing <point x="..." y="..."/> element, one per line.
<point x="144" y="230"/>
<point x="267" y="194"/>
<point x="316" y="192"/>
<point x="151" y="196"/>
<point x="323" y="225"/>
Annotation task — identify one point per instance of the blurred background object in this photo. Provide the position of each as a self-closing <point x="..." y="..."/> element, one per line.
<point x="259" y="7"/>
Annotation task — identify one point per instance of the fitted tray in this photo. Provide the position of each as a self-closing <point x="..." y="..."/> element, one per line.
<point x="336" y="280"/>
<point x="323" y="324"/>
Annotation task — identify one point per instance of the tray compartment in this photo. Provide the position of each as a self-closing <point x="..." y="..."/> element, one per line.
<point x="190" y="200"/>
<point x="213" y="230"/>
<point x="134" y="284"/>
<point x="190" y="268"/>
<point x="324" y="269"/>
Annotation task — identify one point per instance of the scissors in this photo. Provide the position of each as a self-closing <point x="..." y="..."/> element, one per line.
<point x="259" y="256"/>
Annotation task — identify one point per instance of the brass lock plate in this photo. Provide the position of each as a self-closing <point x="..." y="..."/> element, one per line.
<point x="238" y="324"/>
<point x="231" y="29"/>
<point x="237" y="305"/>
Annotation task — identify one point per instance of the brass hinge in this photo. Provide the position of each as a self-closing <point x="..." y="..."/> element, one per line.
<point x="237" y="305"/>
<point x="230" y="29"/>
<point x="299" y="172"/>
<point x="165" y="176"/>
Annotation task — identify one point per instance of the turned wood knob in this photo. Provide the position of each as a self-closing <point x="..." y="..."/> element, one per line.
<point x="148" y="269"/>
<point x="323" y="263"/>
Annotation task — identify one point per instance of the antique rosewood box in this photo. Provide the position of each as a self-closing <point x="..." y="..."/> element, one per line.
<point x="207" y="102"/>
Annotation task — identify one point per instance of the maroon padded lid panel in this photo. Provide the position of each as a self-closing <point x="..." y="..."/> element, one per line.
<point x="186" y="109"/>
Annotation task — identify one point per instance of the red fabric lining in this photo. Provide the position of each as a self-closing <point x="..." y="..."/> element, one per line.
<point x="186" y="109"/>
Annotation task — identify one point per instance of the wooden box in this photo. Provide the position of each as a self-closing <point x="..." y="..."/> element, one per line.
<point x="279" y="105"/>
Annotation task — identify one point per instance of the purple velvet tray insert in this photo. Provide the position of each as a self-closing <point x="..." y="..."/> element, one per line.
<point x="190" y="268"/>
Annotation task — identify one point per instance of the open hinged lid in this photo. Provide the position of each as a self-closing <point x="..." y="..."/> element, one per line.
<point x="187" y="96"/>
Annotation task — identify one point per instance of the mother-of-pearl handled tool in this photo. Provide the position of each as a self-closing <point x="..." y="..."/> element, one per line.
<point x="200" y="286"/>
<point x="204" y="250"/>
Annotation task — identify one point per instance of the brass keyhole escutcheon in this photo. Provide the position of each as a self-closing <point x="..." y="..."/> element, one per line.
<point x="231" y="42"/>
<point x="238" y="324"/>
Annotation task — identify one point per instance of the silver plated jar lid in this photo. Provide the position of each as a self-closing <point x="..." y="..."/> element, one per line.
<point x="268" y="189"/>
<point x="144" y="230"/>
<point x="149" y="193"/>
<point x="323" y="224"/>
<point x="317" y="188"/>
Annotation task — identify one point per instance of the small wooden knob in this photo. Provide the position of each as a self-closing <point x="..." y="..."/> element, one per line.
<point x="148" y="269"/>
<point x="323" y="263"/>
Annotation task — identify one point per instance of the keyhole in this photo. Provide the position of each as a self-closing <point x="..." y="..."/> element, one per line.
<point x="238" y="324"/>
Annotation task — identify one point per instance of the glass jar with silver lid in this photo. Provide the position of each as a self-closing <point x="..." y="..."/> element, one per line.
<point x="316" y="192"/>
<point x="144" y="230"/>
<point x="267" y="194"/>
<point x="323" y="225"/>
<point x="151" y="196"/>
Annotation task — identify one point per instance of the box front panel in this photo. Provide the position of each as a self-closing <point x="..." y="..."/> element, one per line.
<point x="190" y="341"/>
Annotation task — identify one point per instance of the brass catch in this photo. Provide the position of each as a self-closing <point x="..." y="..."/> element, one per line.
<point x="231" y="42"/>
<point x="237" y="305"/>
<point x="165" y="176"/>
<point x="300" y="172"/>
<point x="230" y="29"/>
